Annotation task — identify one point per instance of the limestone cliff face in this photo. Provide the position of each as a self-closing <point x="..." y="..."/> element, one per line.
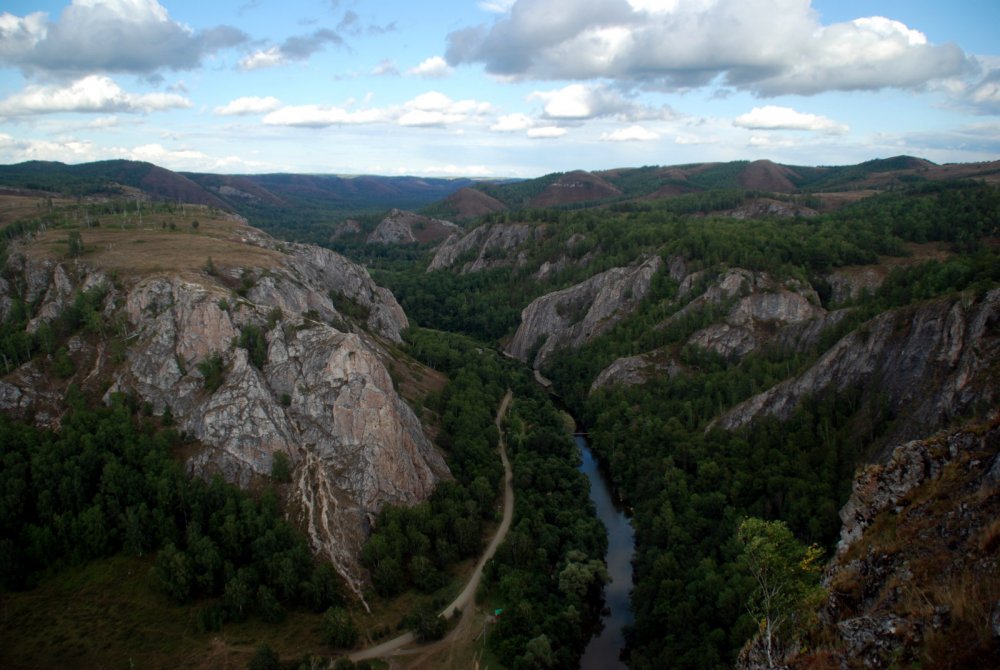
<point x="757" y="311"/>
<point x="931" y="362"/>
<point x="760" y="310"/>
<point x="489" y="246"/>
<point x="576" y="315"/>
<point x="321" y="395"/>
<point x="402" y="227"/>
<point x="915" y="581"/>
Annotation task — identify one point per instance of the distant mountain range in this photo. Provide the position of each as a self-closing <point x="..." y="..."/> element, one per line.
<point x="306" y="205"/>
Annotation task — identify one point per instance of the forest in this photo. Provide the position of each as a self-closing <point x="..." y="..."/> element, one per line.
<point x="110" y="481"/>
<point x="690" y="486"/>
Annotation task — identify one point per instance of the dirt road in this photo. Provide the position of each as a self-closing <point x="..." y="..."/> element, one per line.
<point x="468" y="594"/>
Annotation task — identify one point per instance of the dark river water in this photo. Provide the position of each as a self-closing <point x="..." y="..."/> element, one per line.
<point x="603" y="650"/>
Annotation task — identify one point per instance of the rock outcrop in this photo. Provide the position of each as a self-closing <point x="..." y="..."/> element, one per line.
<point x="578" y="314"/>
<point x="321" y="394"/>
<point x="402" y="227"/>
<point x="930" y="363"/>
<point x="486" y="247"/>
<point x="916" y="577"/>
<point x="634" y="371"/>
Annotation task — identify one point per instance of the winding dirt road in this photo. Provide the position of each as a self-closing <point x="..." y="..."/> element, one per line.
<point x="468" y="593"/>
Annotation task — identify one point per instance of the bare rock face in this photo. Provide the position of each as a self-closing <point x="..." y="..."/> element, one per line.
<point x="915" y="573"/>
<point x="849" y="283"/>
<point x="492" y="246"/>
<point x="402" y="227"/>
<point x="321" y="395"/>
<point x="634" y="371"/>
<point x="932" y="362"/>
<point x="578" y="314"/>
<point x="760" y="310"/>
<point x="314" y="273"/>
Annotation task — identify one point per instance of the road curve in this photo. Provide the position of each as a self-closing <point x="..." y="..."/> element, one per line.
<point x="469" y="592"/>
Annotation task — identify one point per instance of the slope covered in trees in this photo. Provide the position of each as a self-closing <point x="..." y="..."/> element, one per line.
<point x="689" y="483"/>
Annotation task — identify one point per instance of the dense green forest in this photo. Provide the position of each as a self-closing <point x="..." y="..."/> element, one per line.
<point x="689" y="486"/>
<point x="548" y="574"/>
<point x="108" y="482"/>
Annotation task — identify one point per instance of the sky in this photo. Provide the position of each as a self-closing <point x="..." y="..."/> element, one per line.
<point x="496" y="88"/>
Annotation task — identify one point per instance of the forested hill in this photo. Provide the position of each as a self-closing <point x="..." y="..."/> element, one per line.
<point x="733" y="356"/>
<point x="737" y="339"/>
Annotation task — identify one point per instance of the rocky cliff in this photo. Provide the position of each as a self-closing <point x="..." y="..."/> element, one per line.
<point x="916" y="578"/>
<point x="755" y="311"/>
<point x="402" y="227"/>
<point x="484" y="248"/>
<point x="931" y="362"/>
<point x="576" y="315"/>
<point x="313" y="387"/>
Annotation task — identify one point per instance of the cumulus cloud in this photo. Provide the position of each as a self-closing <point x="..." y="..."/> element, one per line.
<point x="296" y="48"/>
<point x="437" y="109"/>
<point x="248" y="105"/>
<point x="546" y="132"/>
<point x="92" y="94"/>
<point x="135" y="36"/>
<point x="434" y="67"/>
<point x="772" y="117"/>
<point x="630" y="134"/>
<point x="580" y="102"/>
<point x="769" y="47"/>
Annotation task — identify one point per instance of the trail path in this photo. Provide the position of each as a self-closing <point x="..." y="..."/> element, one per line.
<point x="467" y="595"/>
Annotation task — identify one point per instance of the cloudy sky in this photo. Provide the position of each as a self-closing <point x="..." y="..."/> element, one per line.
<point x="496" y="87"/>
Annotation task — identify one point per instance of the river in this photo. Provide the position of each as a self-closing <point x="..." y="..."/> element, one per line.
<point x="603" y="650"/>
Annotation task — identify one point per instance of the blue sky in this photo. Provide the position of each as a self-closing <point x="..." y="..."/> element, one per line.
<point x="496" y="87"/>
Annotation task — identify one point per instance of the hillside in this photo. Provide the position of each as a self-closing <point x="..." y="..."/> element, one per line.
<point x="729" y="365"/>
<point x="766" y="341"/>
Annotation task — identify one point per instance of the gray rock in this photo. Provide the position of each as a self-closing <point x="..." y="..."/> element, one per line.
<point x="578" y="314"/>
<point x="493" y="246"/>
<point x="634" y="371"/>
<point x="398" y="228"/>
<point x="928" y="361"/>
<point x="323" y="397"/>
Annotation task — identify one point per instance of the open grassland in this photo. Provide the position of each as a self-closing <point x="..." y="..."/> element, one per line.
<point x="134" y="242"/>
<point x="16" y="207"/>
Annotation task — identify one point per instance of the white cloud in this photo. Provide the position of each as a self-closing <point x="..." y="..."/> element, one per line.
<point x="773" y="117"/>
<point x="510" y="123"/>
<point x="257" y="60"/>
<point x="630" y="134"/>
<point x="93" y="94"/>
<point x="108" y="35"/>
<point x="248" y="105"/>
<point x="437" y="109"/>
<point x="318" y="116"/>
<point x="546" y="132"/>
<point x="589" y="101"/>
<point x="19" y="35"/>
<point x="770" y="47"/>
<point x="434" y="67"/>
